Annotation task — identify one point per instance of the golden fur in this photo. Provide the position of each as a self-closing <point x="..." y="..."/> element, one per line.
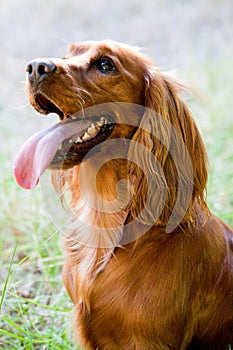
<point x="164" y="290"/>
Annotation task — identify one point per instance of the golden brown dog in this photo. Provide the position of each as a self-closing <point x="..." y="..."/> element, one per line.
<point x="135" y="284"/>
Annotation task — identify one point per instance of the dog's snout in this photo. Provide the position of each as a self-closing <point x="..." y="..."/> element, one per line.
<point x="38" y="69"/>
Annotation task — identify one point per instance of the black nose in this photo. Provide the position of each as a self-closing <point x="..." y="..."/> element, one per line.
<point x="38" y="69"/>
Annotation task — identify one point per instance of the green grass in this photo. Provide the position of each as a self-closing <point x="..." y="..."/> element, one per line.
<point x="34" y="306"/>
<point x="217" y="129"/>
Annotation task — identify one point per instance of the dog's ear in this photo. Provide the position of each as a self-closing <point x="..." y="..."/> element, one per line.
<point x="170" y="169"/>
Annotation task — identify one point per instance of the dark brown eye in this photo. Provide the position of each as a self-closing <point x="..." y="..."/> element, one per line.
<point x="105" y="65"/>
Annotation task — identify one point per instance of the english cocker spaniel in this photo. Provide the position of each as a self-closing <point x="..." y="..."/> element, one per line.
<point x="147" y="265"/>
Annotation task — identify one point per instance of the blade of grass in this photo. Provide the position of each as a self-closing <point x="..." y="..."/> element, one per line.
<point x="2" y="331"/>
<point x="7" y="278"/>
<point x="38" y="338"/>
<point x="39" y="304"/>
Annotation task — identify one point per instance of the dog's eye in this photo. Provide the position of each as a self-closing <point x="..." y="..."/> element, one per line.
<point x="105" y="65"/>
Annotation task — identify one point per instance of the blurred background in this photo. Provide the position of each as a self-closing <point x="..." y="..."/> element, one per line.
<point x="195" y="38"/>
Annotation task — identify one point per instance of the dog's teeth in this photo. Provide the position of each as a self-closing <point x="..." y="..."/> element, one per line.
<point x="99" y="124"/>
<point x="60" y="147"/>
<point x="92" y="126"/>
<point x="78" y="140"/>
<point x="86" y="136"/>
<point x="70" y="141"/>
<point x="103" y="120"/>
<point x="92" y="129"/>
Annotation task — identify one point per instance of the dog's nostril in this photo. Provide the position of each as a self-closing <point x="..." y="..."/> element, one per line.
<point x="45" y="68"/>
<point x="37" y="68"/>
<point x="41" y="69"/>
<point x="29" y="69"/>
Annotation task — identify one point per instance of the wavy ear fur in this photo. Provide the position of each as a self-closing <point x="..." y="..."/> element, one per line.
<point x="174" y="182"/>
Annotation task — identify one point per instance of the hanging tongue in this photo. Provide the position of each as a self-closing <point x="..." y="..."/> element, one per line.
<point x="39" y="150"/>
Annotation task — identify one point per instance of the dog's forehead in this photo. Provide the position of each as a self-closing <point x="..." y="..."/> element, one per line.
<point x="92" y="48"/>
<point x="88" y="51"/>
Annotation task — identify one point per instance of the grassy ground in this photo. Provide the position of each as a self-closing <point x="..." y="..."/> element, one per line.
<point x="195" y="37"/>
<point x="34" y="306"/>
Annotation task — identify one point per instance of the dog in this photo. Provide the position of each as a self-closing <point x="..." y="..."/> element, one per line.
<point x="153" y="271"/>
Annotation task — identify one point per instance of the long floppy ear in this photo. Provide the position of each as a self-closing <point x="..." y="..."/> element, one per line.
<point x="170" y="168"/>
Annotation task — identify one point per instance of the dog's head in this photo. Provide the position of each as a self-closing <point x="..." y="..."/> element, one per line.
<point x="106" y="73"/>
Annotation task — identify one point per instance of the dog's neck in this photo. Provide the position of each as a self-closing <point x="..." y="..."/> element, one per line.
<point x="98" y="203"/>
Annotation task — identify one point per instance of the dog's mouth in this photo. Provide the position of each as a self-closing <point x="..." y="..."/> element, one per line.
<point x="61" y="146"/>
<point x="72" y="150"/>
<point x="46" y="106"/>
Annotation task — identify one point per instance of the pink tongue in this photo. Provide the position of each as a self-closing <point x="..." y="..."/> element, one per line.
<point x="39" y="150"/>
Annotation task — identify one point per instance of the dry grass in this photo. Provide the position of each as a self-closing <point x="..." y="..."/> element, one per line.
<point x="193" y="37"/>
